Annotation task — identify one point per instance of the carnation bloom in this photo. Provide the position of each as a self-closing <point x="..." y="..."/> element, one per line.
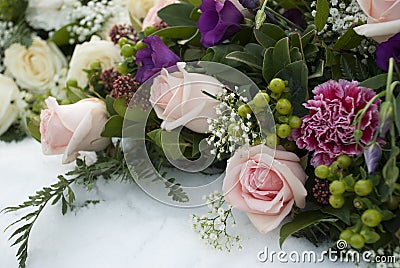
<point x="153" y="58"/>
<point x="328" y="130"/>
<point x="218" y="21"/>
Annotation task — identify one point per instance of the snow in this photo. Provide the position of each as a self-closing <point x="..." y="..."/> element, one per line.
<point x="126" y="229"/>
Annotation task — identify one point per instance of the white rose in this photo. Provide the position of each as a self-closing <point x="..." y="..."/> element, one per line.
<point x="8" y="103"/>
<point x="102" y="51"/>
<point x="34" y="67"/>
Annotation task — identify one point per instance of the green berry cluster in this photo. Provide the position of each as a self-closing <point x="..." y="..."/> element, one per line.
<point x="283" y="113"/>
<point x="129" y="49"/>
<point x="366" y="213"/>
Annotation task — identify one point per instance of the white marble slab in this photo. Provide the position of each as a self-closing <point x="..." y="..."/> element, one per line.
<point x="126" y="229"/>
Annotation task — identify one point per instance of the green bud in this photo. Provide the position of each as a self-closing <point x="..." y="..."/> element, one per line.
<point x="72" y="83"/>
<point x="385" y="117"/>
<point x="358" y="134"/>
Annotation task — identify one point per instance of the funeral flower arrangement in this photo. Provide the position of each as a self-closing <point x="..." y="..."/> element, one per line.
<point x="295" y="103"/>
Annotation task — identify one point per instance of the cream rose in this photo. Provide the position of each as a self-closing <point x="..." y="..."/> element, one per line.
<point x="84" y="54"/>
<point x="179" y="101"/>
<point x="68" y="129"/>
<point x="9" y="111"/>
<point x="151" y="17"/>
<point x="265" y="183"/>
<point x="383" y="19"/>
<point x="139" y="8"/>
<point x="35" y="67"/>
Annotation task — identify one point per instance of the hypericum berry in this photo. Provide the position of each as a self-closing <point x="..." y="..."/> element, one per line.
<point x="290" y="146"/>
<point x="363" y="187"/>
<point x="346" y="235"/>
<point x="392" y="203"/>
<point x="336" y="201"/>
<point x="322" y="171"/>
<point x="72" y="83"/>
<point x="272" y="140"/>
<point x="283" y="131"/>
<point x="244" y="110"/>
<point x="149" y="30"/>
<point x="344" y="161"/>
<point x="140" y="45"/>
<point x="337" y="187"/>
<point x="122" y="68"/>
<point x="371" y="217"/>
<point x="357" y="241"/>
<point x="283" y="106"/>
<point x="127" y="50"/>
<point x="261" y="99"/>
<point x="122" y="41"/>
<point x="277" y="85"/>
<point x="294" y="121"/>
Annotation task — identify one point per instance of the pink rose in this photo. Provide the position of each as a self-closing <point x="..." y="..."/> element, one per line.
<point x="152" y="18"/>
<point x="265" y="183"/>
<point x="383" y="19"/>
<point x="179" y="101"/>
<point x="68" y="129"/>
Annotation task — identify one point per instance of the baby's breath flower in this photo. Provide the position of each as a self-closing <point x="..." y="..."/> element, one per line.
<point x="212" y="227"/>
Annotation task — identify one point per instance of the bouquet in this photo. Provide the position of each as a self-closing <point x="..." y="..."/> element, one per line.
<point x="291" y="107"/>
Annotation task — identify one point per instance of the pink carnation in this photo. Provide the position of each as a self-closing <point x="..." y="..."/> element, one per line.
<point x="328" y="130"/>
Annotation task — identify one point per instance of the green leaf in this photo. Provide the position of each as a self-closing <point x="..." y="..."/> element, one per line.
<point x="246" y="58"/>
<point x="375" y="82"/>
<point x="322" y="14"/>
<point x="269" y="69"/>
<point x="281" y="55"/>
<point x="218" y="54"/>
<point x="342" y="213"/>
<point x="295" y="54"/>
<point x="177" y="32"/>
<point x="348" y="40"/>
<point x="319" y="72"/>
<point x="110" y="105"/>
<point x="75" y="94"/>
<point x="113" y="127"/>
<point x="177" y="14"/>
<point x="302" y="221"/>
<point x="269" y="34"/>
<point x="120" y="107"/>
<point x="62" y="36"/>
<point x="396" y="109"/>
<point x="64" y="205"/>
<point x="193" y="54"/>
<point x="34" y="127"/>
<point x="296" y="74"/>
<point x="15" y="133"/>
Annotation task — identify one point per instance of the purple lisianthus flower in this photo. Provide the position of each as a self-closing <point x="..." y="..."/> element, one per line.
<point x="295" y="16"/>
<point x="250" y="4"/>
<point x="218" y="21"/>
<point x="328" y="130"/>
<point x="386" y="50"/>
<point x="153" y="58"/>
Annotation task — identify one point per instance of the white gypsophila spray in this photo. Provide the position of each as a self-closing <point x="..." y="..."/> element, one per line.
<point x="91" y="18"/>
<point x="7" y="29"/>
<point x="229" y="130"/>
